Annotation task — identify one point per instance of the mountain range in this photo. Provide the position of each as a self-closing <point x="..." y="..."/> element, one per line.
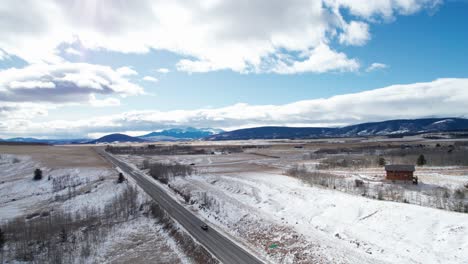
<point x="385" y="128"/>
<point x="175" y="134"/>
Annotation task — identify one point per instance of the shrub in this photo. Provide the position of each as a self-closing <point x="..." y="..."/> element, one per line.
<point x="421" y="160"/>
<point x="459" y="194"/>
<point x="358" y="183"/>
<point x="37" y="175"/>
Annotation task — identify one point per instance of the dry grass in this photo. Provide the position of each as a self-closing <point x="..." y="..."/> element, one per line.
<point x="58" y="156"/>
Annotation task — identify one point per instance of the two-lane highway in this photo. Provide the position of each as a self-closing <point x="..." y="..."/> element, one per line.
<point x="220" y="246"/>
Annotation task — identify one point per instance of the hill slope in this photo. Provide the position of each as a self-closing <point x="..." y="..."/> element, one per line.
<point x="181" y="134"/>
<point x="391" y="127"/>
<point x="116" y="138"/>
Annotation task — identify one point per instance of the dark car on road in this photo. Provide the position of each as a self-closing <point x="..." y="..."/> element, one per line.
<point x="204" y="227"/>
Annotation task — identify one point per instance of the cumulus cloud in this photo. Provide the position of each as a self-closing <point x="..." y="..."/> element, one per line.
<point x="126" y="71"/>
<point x="376" y="66"/>
<point x="23" y="111"/>
<point x="72" y="51"/>
<point x="93" y="101"/>
<point x="163" y="70"/>
<point x="33" y="90"/>
<point x="239" y="35"/>
<point x="150" y="79"/>
<point x="64" y="82"/>
<point x="318" y="60"/>
<point x="355" y="33"/>
<point x="442" y="97"/>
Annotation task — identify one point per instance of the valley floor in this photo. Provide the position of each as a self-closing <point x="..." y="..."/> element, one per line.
<point x="287" y="221"/>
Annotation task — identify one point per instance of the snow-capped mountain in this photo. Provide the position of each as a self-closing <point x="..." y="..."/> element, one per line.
<point x="174" y="134"/>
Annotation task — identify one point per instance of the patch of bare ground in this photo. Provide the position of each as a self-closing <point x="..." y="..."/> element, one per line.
<point x="284" y="245"/>
<point x="56" y="157"/>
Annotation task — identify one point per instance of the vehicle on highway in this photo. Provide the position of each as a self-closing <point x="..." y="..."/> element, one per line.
<point x="204" y="227"/>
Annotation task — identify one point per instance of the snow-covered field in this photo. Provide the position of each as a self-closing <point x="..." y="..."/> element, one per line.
<point x="77" y="190"/>
<point x="248" y="198"/>
<point x="22" y="195"/>
<point x="348" y="228"/>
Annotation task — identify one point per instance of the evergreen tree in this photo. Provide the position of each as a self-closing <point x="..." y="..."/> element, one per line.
<point x="37" y="175"/>
<point x="2" y="239"/>
<point x="121" y="178"/>
<point x="382" y="161"/>
<point x="421" y="160"/>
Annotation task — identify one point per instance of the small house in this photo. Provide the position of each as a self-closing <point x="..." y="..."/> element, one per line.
<point x="400" y="173"/>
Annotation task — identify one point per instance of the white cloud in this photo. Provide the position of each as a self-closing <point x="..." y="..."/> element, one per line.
<point x="442" y="97"/>
<point x="31" y="85"/>
<point x="376" y="66"/>
<point x="238" y="35"/>
<point x="93" y="101"/>
<point x="321" y="59"/>
<point x="150" y="79"/>
<point x="126" y="71"/>
<point x="33" y="90"/>
<point x="163" y="70"/>
<point x="72" y="51"/>
<point x="386" y="9"/>
<point x="63" y="82"/>
<point x="355" y="33"/>
<point x="22" y="111"/>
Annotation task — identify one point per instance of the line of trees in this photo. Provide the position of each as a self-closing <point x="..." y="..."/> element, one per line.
<point x="430" y="196"/>
<point x="164" y="172"/>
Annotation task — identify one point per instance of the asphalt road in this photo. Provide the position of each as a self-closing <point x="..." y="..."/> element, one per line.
<point x="220" y="246"/>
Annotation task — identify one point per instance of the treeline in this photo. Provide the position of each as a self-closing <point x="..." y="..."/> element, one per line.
<point x="171" y="150"/>
<point x="438" y="155"/>
<point x="155" y="150"/>
<point x="164" y="172"/>
<point x="429" y="196"/>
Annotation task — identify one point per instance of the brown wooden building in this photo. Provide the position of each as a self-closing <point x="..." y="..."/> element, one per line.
<point x="400" y="172"/>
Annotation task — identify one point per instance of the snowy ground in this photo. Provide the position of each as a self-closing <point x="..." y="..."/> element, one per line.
<point x="75" y="189"/>
<point x="246" y="196"/>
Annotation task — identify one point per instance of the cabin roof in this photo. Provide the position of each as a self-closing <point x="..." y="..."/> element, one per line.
<point x="397" y="167"/>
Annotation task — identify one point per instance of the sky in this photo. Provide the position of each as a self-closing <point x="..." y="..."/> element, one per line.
<point x="84" y="68"/>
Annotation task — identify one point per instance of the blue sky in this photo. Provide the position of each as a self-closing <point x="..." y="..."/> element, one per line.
<point x="415" y="43"/>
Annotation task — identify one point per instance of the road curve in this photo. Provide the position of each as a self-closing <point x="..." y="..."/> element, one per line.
<point x="220" y="246"/>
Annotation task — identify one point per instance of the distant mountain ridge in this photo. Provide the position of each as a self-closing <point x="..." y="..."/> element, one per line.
<point x="384" y="128"/>
<point x="115" y="138"/>
<point x="175" y="134"/>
